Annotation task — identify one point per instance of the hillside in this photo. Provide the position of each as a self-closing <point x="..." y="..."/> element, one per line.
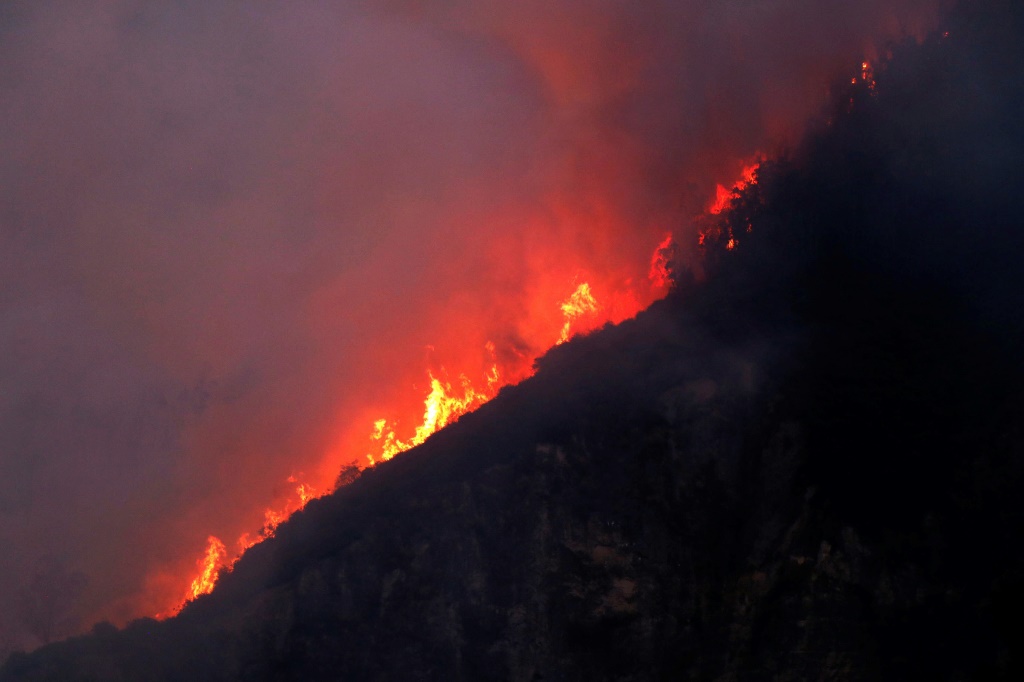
<point x="804" y="466"/>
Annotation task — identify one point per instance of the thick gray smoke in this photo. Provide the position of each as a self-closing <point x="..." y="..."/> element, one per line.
<point x="228" y="230"/>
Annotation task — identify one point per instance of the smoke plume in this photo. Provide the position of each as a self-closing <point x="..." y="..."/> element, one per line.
<point x="232" y="235"/>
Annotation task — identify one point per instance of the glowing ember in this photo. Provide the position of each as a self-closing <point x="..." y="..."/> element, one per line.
<point x="716" y="232"/>
<point x="867" y="74"/>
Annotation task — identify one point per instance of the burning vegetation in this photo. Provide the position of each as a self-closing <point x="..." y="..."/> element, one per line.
<point x="230" y="248"/>
<point x="446" y="401"/>
<point x="842" y="389"/>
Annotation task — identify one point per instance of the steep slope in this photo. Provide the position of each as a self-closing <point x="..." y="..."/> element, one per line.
<point x="806" y="467"/>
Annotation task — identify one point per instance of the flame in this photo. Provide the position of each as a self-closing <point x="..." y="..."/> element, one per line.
<point x="442" y="406"/>
<point x="660" y="273"/>
<point x="723" y="198"/>
<point x="209" y="568"/>
<point x="580" y="303"/>
<point x="725" y="195"/>
<point x="494" y="375"/>
<point x="867" y="74"/>
<point x="216" y="558"/>
<point x="445" y="402"/>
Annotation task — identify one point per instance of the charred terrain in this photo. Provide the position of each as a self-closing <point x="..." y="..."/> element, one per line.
<point x="807" y="465"/>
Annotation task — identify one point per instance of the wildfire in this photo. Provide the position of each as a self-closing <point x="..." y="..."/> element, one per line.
<point x="867" y="74"/>
<point x="216" y="558"/>
<point x="442" y="406"/>
<point x="661" y="260"/>
<point x="209" y="568"/>
<point x="445" y="402"/>
<point x="581" y="302"/>
<point x="723" y="197"/>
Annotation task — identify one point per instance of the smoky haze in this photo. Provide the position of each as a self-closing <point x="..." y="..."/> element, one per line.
<point x="228" y="232"/>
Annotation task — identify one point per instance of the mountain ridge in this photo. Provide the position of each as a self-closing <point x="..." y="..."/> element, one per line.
<point x="805" y="466"/>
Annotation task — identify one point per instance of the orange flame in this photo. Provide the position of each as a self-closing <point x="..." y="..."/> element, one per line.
<point x="445" y="402"/>
<point x="581" y="302"/>
<point x="723" y="198"/>
<point x="442" y="406"/>
<point x="209" y="568"/>
<point x="216" y="558"/>
<point x="867" y="74"/>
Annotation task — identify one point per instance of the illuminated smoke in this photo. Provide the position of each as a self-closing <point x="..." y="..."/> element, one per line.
<point x="229" y="231"/>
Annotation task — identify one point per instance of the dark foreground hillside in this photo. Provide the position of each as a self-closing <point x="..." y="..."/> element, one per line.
<point x="807" y="467"/>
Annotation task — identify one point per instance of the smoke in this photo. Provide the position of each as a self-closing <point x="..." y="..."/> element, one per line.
<point x="229" y="232"/>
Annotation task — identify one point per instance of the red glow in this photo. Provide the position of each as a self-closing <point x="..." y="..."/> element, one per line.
<point x="330" y="255"/>
<point x="453" y="394"/>
<point x="660" y="273"/>
<point x="561" y="293"/>
<point x="582" y="307"/>
<point x="719" y="232"/>
<point x="725" y="195"/>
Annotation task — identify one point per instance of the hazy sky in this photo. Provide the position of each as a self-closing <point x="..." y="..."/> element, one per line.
<point x="229" y="231"/>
